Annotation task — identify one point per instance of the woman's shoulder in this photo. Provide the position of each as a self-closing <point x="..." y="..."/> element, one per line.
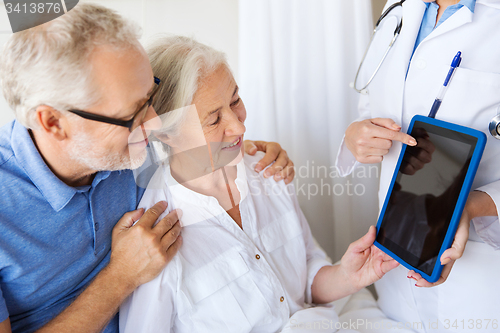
<point x="156" y="190"/>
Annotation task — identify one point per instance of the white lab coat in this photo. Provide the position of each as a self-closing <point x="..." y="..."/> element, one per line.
<point x="473" y="98"/>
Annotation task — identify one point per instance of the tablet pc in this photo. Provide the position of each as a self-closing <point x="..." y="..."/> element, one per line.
<point x="427" y="194"/>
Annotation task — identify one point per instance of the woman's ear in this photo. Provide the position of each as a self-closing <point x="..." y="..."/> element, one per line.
<point x="51" y="121"/>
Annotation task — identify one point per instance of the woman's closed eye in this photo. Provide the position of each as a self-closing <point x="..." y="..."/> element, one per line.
<point x="219" y="117"/>
<point x="217" y="120"/>
<point x="236" y="102"/>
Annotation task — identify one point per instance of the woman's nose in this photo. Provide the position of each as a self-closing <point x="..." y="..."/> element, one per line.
<point x="235" y="125"/>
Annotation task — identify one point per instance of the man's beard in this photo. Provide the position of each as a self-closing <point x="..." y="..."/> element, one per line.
<point x="85" y="151"/>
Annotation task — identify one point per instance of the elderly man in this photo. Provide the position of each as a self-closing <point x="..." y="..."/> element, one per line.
<point x="69" y="252"/>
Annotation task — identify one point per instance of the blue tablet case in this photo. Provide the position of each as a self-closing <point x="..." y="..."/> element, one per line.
<point x="410" y="213"/>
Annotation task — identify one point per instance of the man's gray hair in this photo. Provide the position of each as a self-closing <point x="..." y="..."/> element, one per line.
<point x="49" y="64"/>
<point x="181" y="63"/>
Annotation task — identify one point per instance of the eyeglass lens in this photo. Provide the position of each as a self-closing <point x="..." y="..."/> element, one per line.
<point x="141" y="114"/>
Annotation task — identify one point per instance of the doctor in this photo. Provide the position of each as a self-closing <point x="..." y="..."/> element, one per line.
<point x="406" y="84"/>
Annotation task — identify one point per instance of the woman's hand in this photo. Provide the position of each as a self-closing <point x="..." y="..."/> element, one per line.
<point x="364" y="263"/>
<point x="361" y="265"/>
<point x="282" y="167"/>
<point x="478" y="204"/>
<point x="369" y="140"/>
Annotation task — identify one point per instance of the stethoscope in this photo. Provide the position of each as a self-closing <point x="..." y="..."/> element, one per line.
<point x="393" y="40"/>
<point x="494" y="126"/>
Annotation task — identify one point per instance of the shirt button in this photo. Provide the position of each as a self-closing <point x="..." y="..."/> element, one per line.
<point x="96" y="226"/>
<point x="257" y="257"/>
<point x="421" y="64"/>
<point x="282" y="299"/>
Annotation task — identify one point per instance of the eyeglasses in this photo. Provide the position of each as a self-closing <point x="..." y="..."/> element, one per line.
<point x="131" y="124"/>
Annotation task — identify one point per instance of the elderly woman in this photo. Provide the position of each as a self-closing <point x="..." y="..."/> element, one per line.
<point x="248" y="260"/>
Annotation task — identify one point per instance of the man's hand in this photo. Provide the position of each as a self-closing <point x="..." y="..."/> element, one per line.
<point x="478" y="204"/>
<point x="369" y="140"/>
<point x="364" y="263"/>
<point x="139" y="252"/>
<point x="282" y="167"/>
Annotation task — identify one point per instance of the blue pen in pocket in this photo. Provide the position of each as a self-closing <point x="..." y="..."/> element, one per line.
<point x="437" y="102"/>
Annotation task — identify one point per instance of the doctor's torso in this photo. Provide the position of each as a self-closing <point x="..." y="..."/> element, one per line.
<point x="402" y="89"/>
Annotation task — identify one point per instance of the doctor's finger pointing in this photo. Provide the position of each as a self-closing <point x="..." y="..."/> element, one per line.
<point x="369" y="140"/>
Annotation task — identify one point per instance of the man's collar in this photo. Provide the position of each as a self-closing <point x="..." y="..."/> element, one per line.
<point x="54" y="190"/>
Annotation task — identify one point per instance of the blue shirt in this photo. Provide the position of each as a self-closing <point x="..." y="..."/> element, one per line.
<point x="53" y="238"/>
<point x="429" y="20"/>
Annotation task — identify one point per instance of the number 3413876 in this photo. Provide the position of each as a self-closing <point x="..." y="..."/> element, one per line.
<point x="34" y="8"/>
<point x="471" y="324"/>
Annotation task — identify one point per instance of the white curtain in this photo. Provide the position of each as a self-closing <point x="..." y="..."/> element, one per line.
<point x="296" y="60"/>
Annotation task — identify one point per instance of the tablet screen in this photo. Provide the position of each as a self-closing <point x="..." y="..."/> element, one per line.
<point x="425" y="193"/>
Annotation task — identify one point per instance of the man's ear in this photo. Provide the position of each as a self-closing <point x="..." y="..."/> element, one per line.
<point x="51" y="122"/>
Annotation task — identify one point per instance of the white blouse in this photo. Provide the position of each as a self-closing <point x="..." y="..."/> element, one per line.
<point x="224" y="278"/>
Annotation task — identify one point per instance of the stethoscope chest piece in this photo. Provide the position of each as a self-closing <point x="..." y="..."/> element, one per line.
<point x="495" y="127"/>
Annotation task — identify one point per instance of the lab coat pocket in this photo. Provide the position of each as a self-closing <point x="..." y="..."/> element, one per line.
<point x="473" y="77"/>
<point x="475" y="97"/>
<point x="472" y="99"/>
<point x="283" y="240"/>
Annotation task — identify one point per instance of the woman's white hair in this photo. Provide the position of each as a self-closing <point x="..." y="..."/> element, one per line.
<point x="49" y="64"/>
<point x="181" y="63"/>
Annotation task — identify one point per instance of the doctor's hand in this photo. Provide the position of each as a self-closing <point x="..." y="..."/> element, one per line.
<point x="140" y="252"/>
<point x="282" y="168"/>
<point x="364" y="263"/>
<point x="370" y="139"/>
<point x="478" y="204"/>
